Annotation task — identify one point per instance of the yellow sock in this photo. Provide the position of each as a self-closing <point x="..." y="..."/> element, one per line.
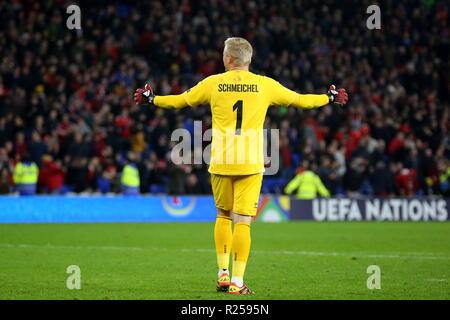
<point x="223" y="236"/>
<point x="241" y="248"/>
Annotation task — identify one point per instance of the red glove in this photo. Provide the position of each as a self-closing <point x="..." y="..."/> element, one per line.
<point x="340" y="96"/>
<point x="144" y="96"/>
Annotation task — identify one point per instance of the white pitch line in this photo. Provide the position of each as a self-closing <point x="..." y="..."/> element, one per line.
<point x="404" y="255"/>
<point x="437" y="280"/>
<point x="356" y="254"/>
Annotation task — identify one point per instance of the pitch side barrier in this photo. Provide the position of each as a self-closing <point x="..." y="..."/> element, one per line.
<point x="117" y="208"/>
<point x="165" y="208"/>
<point x="371" y="209"/>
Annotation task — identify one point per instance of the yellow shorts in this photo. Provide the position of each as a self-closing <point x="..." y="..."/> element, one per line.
<point x="237" y="193"/>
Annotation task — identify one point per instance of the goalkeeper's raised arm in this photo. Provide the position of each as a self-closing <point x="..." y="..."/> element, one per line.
<point x="146" y="96"/>
<point x="283" y="96"/>
<point x="199" y="94"/>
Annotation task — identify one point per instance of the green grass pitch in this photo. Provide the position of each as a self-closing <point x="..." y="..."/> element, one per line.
<point x="292" y="260"/>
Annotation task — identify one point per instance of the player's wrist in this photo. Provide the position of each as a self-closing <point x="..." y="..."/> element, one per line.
<point x="332" y="94"/>
<point x="330" y="97"/>
<point x="149" y="97"/>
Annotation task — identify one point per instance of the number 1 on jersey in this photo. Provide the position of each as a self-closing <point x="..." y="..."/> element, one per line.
<point x="238" y="106"/>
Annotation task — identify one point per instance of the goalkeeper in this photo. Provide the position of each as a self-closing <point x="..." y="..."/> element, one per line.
<point x="239" y="100"/>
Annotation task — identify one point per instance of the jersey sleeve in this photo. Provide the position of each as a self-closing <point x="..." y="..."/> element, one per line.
<point x="200" y="93"/>
<point x="280" y="95"/>
<point x="170" y="102"/>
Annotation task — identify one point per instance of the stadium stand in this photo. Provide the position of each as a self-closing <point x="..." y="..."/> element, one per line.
<point x="66" y="95"/>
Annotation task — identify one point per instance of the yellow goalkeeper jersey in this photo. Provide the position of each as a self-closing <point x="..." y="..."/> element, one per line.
<point x="239" y="101"/>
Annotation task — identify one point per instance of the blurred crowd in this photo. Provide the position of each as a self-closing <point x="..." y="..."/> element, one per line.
<point x="66" y="95"/>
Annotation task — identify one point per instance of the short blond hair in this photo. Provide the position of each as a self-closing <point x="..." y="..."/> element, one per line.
<point x="240" y="50"/>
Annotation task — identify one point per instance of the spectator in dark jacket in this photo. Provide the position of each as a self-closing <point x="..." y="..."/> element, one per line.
<point x="78" y="148"/>
<point x="354" y="176"/>
<point x="37" y="148"/>
<point x="77" y="175"/>
<point x="380" y="182"/>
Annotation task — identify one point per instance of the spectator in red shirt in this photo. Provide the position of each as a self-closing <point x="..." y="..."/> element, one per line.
<point x="286" y="157"/>
<point x="396" y="144"/>
<point x="20" y="147"/>
<point x="64" y="128"/>
<point x="123" y="122"/>
<point x="406" y="181"/>
<point x="51" y="176"/>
